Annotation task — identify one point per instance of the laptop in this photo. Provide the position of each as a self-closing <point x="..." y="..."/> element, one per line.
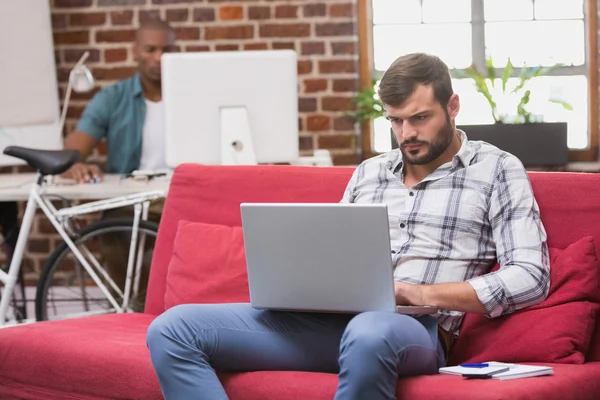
<point x="320" y="257"/>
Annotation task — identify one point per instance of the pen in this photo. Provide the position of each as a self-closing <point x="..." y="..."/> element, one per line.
<point x="475" y="365"/>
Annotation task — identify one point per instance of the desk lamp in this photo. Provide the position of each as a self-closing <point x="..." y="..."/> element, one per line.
<point x="81" y="81"/>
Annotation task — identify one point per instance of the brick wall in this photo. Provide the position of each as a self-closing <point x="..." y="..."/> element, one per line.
<point x="322" y="32"/>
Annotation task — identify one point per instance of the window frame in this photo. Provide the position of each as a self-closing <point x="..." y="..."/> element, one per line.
<point x="367" y="72"/>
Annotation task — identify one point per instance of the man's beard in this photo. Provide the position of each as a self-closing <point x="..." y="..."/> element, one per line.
<point x="434" y="149"/>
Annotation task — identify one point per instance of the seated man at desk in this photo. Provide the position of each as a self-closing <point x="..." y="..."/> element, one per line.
<point x="129" y="115"/>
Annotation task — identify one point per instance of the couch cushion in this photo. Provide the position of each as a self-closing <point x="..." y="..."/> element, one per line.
<point x="208" y="265"/>
<point x="213" y="194"/>
<point x="570" y="382"/>
<point x="557" y="330"/>
<point x="99" y="357"/>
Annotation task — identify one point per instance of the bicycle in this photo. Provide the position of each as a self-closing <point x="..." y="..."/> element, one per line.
<point x="82" y="274"/>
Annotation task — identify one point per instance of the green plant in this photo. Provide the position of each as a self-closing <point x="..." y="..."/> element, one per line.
<point x="485" y="80"/>
<point x="367" y="105"/>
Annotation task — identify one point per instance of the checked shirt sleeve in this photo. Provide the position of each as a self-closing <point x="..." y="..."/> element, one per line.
<point x="524" y="275"/>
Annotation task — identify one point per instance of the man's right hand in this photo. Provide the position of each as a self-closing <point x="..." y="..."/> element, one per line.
<point x="83" y="173"/>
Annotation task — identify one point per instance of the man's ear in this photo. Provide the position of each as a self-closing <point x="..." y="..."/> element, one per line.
<point x="453" y="106"/>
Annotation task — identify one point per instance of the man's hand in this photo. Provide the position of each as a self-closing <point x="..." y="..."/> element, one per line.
<point x="82" y="172"/>
<point x="409" y="295"/>
<point x="459" y="296"/>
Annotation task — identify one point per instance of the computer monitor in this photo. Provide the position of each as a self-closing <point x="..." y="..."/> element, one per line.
<point x="230" y="108"/>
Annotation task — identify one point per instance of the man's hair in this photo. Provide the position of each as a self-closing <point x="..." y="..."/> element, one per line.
<point x="408" y="72"/>
<point x="154" y="23"/>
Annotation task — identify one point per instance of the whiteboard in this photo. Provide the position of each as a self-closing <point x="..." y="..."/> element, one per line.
<point x="29" y="106"/>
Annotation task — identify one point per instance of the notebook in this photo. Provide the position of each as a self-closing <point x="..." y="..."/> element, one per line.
<point x="497" y="370"/>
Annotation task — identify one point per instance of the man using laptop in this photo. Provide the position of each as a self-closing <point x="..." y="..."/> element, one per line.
<point x="454" y="206"/>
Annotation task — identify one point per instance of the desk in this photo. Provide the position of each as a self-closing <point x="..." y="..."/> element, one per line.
<point x="15" y="187"/>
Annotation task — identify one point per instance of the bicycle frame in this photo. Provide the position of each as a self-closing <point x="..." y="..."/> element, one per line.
<point x="60" y="219"/>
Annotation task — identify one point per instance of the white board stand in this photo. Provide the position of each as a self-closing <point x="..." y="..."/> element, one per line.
<point x="236" y="138"/>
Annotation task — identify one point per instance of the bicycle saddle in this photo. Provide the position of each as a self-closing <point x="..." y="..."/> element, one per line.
<point x="47" y="162"/>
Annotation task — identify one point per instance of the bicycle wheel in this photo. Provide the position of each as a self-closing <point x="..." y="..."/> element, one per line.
<point x="66" y="289"/>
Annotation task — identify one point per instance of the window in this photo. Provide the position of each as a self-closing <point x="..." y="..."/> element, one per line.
<point x="465" y="32"/>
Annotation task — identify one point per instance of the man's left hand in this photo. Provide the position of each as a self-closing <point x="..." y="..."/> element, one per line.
<point x="408" y="294"/>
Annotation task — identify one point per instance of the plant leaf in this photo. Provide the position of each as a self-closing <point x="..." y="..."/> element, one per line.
<point x="564" y="104"/>
<point x="508" y="70"/>
<point x="491" y="71"/>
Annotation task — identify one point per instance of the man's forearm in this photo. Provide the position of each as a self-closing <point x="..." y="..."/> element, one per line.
<point x="458" y="296"/>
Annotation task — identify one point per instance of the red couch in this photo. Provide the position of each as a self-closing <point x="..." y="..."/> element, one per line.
<point x="105" y="357"/>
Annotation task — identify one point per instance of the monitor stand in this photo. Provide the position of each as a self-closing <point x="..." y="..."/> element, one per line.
<point x="236" y="139"/>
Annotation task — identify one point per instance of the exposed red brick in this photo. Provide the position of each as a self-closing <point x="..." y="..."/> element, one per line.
<point x="345" y="85"/>
<point x="306" y="142"/>
<point x="113" y="74"/>
<point x="285" y="30"/>
<point x="62" y="73"/>
<point x="115" y="36"/>
<point x="315" y="85"/>
<point x="312" y="48"/>
<point x="229" y="13"/>
<point x="343" y="124"/>
<point x="187" y="33"/>
<point x="318" y="123"/>
<point x="259" y="12"/>
<point x="342" y="10"/>
<point x="169" y="1"/>
<point x="147" y="15"/>
<point x="177" y="15"/>
<point x="59" y="21"/>
<point x="300" y="123"/>
<point x="229" y="32"/>
<point x="72" y="37"/>
<point x="103" y="3"/>
<point x="71" y="3"/>
<point x="87" y="19"/>
<point x="286" y="11"/>
<point x="226" y="47"/>
<point x="307" y="104"/>
<point x="337" y="66"/>
<point x="305" y="67"/>
<point x="121" y="17"/>
<point x="335" y="29"/>
<point x="336" y="141"/>
<point x="75" y="111"/>
<point x="315" y="10"/>
<point x="344" y="48"/>
<point x="256" y="46"/>
<point x="115" y="55"/>
<point x="204" y="14"/>
<point x="197" y="48"/>
<point x="337" y="103"/>
<point x="73" y="55"/>
<point x="284" y="46"/>
<point x="38" y="245"/>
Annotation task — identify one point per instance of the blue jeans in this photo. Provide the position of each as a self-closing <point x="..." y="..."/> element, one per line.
<point x="369" y="351"/>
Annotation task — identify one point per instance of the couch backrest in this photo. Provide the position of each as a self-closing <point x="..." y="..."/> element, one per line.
<point x="569" y="205"/>
<point x="213" y="194"/>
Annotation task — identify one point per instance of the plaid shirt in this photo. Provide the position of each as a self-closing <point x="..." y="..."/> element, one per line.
<point x="458" y="222"/>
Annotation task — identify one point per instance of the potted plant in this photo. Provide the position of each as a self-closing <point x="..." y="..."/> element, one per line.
<point x="535" y="142"/>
